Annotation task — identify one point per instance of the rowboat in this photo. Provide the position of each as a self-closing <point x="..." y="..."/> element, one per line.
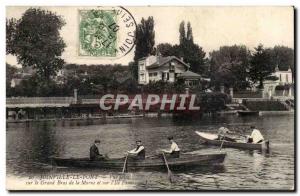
<point x="185" y="160"/>
<point x="248" y="113"/>
<point x="212" y="139"/>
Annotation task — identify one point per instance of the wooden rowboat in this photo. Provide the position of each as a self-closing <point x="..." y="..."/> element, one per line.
<point x="212" y="139"/>
<point x="185" y="160"/>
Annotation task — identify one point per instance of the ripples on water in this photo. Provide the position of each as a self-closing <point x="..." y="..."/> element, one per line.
<point x="29" y="147"/>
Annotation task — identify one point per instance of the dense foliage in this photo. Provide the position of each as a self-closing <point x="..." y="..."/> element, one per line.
<point x="94" y="80"/>
<point x="144" y="39"/>
<point x="229" y="65"/>
<point x="35" y="41"/>
<point x="260" y="66"/>
<point x="191" y="52"/>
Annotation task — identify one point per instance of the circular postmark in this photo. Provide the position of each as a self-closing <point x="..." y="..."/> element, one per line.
<point x="107" y="32"/>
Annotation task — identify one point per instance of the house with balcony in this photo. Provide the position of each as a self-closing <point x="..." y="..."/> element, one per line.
<point x="168" y="69"/>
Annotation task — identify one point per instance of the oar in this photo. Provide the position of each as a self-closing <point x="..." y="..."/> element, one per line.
<point x="167" y="165"/>
<point x="125" y="163"/>
<point x="222" y="142"/>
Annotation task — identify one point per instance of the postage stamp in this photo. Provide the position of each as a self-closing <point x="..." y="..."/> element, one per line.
<point x="106" y="33"/>
<point x="97" y="38"/>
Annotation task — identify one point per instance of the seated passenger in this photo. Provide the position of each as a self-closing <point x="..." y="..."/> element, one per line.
<point x="256" y="136"/>
<point x="94" y="151"/>
<point x="174" y="151"/>
<point x="138" y="152"/>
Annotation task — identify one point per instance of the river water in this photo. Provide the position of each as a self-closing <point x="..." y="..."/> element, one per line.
<point x="29" y="147"/>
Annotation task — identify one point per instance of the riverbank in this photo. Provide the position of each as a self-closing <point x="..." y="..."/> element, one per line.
<point x="146" y="115"/>
<point x="235" y="112"/>
<point x="75" y="119"/>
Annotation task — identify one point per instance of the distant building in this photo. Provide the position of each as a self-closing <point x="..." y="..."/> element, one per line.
<point x="283" y="86"/>
<point x="23" y="74"/>
<point x="284" y="77"/>
<point x="15" y="82"/>
<point x="169" y="69"/>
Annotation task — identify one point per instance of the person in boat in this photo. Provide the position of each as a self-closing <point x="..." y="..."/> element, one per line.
<point x="222" y="134"/>
<point x="138" y="152"/>
<point x="94" y="151"/>
<point x="174" y="151"/>
<point x="256" y="136"/>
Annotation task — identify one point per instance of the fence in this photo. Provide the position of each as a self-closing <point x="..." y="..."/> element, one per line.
<point x="38" y="101"/>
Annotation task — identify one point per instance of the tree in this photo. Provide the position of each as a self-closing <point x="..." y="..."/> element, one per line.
<point x="182" y="37"/>
<point x="283" y="57"/>
<point x="10" y="35"/>
<point x="133" y="68"/>
<point x="166" y="49"/>
<point x="260" y="66"/>
<point x="35" y="41"/>
<point x="191" y="53"/>
<point x="194" y="55"/>
<point x="228" y="66"/>
<point x="144" y="43"/>
<point x="189" y="33"/>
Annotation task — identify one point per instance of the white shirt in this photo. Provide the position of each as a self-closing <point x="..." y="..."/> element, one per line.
<point x="256" y="136"/>
<point x="134" y="151"/>
<point x="174" y="148"/>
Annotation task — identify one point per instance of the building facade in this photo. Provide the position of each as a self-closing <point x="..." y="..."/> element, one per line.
<point x="168" y="69"/>
<point x="283" y="86"/>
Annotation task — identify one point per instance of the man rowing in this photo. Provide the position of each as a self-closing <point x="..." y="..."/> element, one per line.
<point x="174" y="150"/>
<point x="138" y="152"/>
<point x="256" y="136"/>
<point x="222" y="134"/>
<point x="94" y="151"/>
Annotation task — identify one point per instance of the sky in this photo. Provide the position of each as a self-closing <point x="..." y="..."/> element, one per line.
<point x="212" y="27"/>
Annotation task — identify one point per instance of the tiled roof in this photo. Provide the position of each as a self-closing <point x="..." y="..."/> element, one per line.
<point x="189" y="74"/>
<point x="163" y="60"/>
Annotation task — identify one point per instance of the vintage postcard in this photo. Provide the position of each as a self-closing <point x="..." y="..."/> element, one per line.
<point x="150" y="98"/>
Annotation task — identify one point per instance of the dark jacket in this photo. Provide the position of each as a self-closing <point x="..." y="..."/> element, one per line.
<point x="94" y="152"/>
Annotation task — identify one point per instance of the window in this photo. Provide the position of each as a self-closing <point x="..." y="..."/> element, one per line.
<point x="141" y="67"/>
<point x="154" y="74"/>
<point x="172" y="66"/>
<point x="165" y="76"/>
<point x="176" y="74"/>
<point x="142" y="77"/>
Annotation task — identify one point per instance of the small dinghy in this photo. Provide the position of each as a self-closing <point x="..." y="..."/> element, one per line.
<point x="212" y="139"/>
